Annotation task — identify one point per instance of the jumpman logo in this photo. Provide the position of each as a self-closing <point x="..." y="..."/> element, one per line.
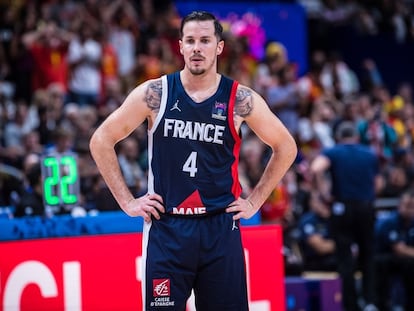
<point x="175" y="107"/>
<point x="234" y="227"/>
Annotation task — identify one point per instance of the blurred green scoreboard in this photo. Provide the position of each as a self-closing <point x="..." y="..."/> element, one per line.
<point x="60" y="182"/>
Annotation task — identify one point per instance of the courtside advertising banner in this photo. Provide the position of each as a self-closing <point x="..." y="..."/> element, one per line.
<point x="103" y="272"/>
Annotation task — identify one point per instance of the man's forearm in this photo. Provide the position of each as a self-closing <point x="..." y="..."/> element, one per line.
<point x="401" y="249"/>
<point x="276" y="168"/>
<point x="107" y="162"/>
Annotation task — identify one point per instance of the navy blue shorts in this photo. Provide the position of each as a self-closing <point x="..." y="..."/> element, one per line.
<point x="204" y="254"/>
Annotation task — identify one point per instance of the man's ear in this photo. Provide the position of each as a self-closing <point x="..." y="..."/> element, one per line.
<point x="180" y="43"/>
<point x="220" y="47"/>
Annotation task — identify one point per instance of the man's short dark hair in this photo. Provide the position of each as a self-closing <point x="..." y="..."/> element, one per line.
<point x="346" y="129"/>
<point x="203" y="16"/>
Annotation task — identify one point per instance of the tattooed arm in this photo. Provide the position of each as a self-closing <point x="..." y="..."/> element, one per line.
<point x="251" y="108"/>
<point x="141" y="104"/>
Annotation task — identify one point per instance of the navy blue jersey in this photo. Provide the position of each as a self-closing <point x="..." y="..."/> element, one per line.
<point x="194" y="149"/>
<point x="353" y="180"/>
<point x="393" y="230"/>
<point x="309" y="224"/>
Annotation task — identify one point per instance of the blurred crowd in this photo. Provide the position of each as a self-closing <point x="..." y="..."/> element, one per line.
<point x="65" y="65"/>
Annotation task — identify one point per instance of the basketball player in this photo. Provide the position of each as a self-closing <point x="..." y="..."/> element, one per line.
<point x="191" y="238"/>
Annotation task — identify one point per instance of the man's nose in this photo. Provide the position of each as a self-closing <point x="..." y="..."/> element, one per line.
<point x="196" y="49"/>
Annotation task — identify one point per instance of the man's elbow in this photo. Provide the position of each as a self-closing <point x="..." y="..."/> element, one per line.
<point x="94" y="143"/>
<point x="291" y="150"/>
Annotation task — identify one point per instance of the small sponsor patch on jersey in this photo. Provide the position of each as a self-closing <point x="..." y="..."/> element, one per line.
<point x="189" y="210"/>
<point x="219" y="111"/>
<point x="161" y="287"/>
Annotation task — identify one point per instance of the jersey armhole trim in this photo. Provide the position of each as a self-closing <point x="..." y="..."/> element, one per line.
<point x="236" y="187"/>
<point x="232" y="104"/>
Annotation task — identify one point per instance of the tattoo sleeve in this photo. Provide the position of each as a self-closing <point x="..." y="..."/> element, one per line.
<point x="244" y="102"/>
<point x="153" y="95"/>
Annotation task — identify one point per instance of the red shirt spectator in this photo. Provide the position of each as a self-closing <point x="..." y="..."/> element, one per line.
<point x="48" y="45"/>
<point x="50" y="65"/>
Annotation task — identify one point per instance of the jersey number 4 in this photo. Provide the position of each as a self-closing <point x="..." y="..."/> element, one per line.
<point x="190" y="165"/>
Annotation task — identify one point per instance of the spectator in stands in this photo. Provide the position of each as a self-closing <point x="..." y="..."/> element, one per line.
<point x="277" y="208"/>
<point x="309" y="85"/>
<point x="321" y="119"/>
<point x="30" y="159"/>
<point x="7" y="105"/>
<point x="84" y="58"/>
<point x="157" y="59"/>
<point x="14" y="131"/>
<point x="85" y="125"/>
<point x="376" y="132"/>
<point x="31" y="200"/>
<point x="63" y="142"/>
<point x="365" y="22"/>
<point x="371" y="77"/>
<point x="128" y="158"/>
<point x="109" y="63"/>
<point x="112" y="99"/>
<point x="304" y="184"/>
<point x="405" y="94"/>
<point x="276" y="57"/>
<point x="393" y="108"/>
<point x="397" y="107"/>
<point x="397" y="174"/>
<point x="121" y="18"/>
<point x="88" y="174"/>
<point x="395" y="253"/>
<point x="351" y="191"/>
<point x="23" y="67"/>
<point x="50" y="112"/>
<point x="6" y="41"/>
<point x="402" y="21"/>
<point x="337" y="77"/>
<point x="31" y="143"/>
<point x="238" y="62"/>
<point x="317" y="244"/>
<point x="252" y="159"/>
<point x="409" y="129"/>
<point x="10" y="184"/>
<point x="81" y="122"/>
<point x="283" y="97"/>
<point x="348" y="112"/>
<point x="48" y="45"/>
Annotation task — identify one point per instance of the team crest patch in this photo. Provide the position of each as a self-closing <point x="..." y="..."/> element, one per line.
<point x="219" y="111"/>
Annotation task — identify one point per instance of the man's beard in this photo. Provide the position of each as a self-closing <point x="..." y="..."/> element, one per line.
<point x="197" y="71"/>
